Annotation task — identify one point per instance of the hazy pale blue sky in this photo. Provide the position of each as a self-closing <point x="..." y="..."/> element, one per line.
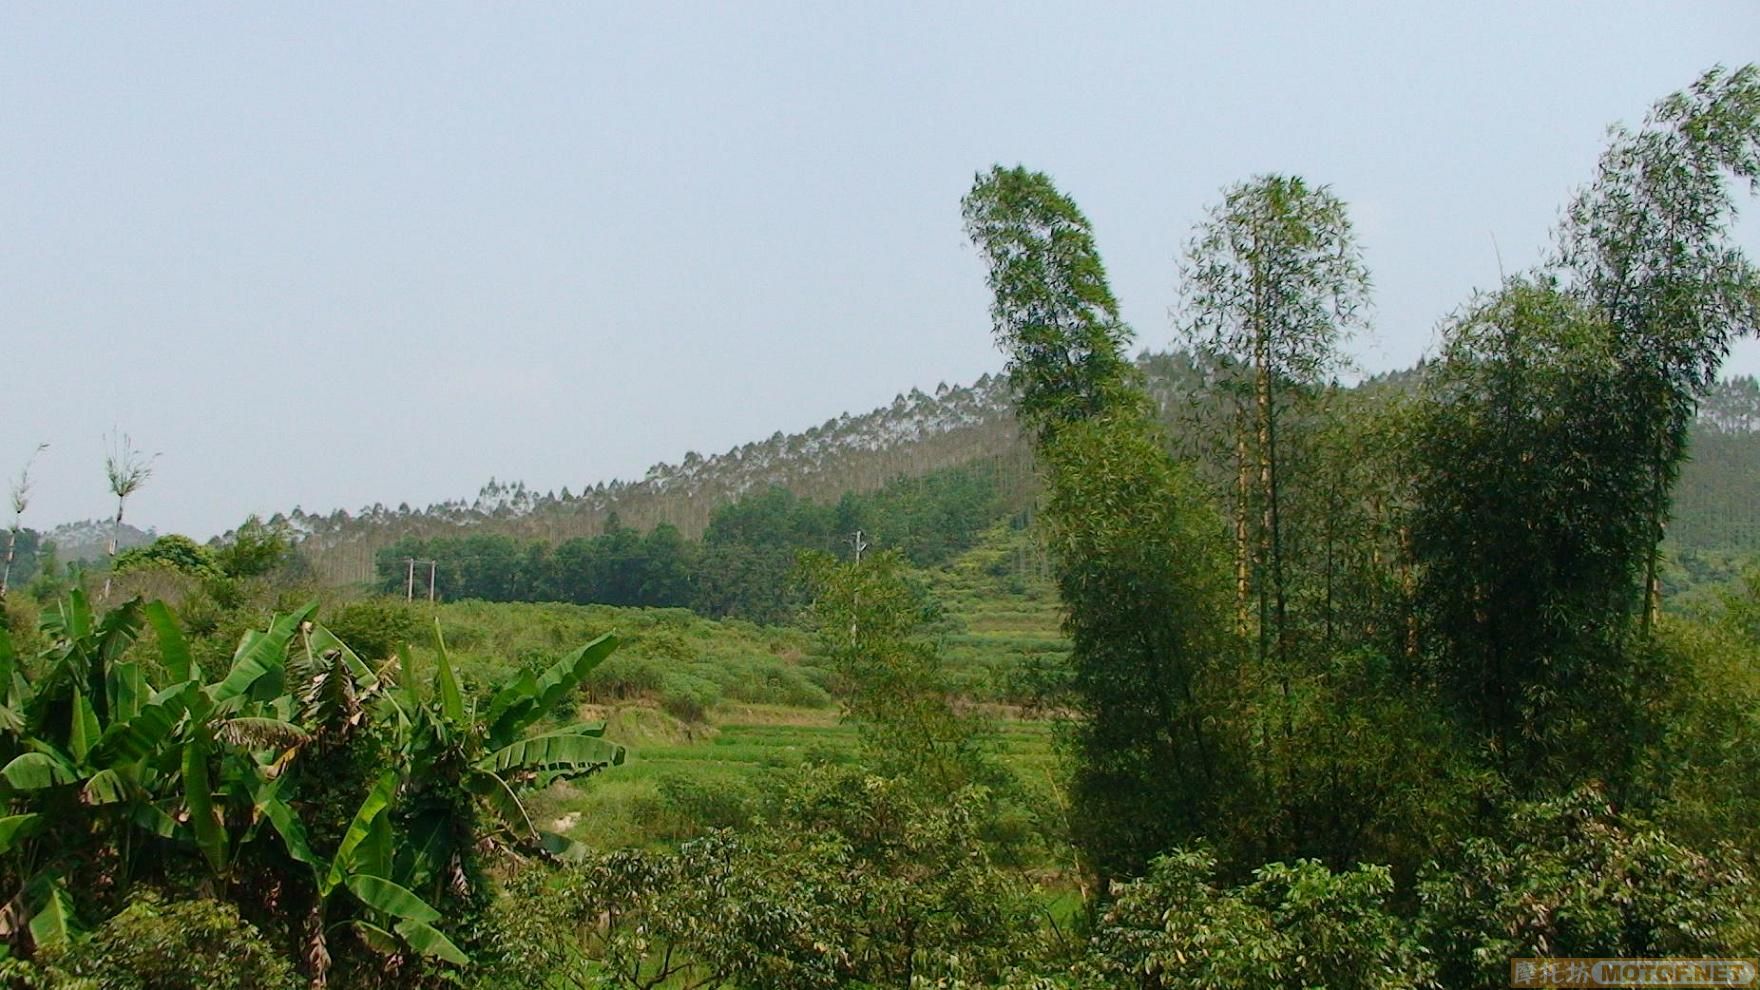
<point x="334" y="254"/>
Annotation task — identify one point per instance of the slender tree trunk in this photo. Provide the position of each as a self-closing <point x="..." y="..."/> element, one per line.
<point x="1242" y="551"/>
<point x="115" y="536"/>
<point x="1657" y="523"/>
<point x="6" y="573"/>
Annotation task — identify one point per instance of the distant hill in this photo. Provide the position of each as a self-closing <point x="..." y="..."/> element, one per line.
<point x="1717" y="506"/>
<point x="89" y="539"/>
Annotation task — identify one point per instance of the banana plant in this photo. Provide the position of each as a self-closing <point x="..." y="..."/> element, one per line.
<point x="103" y="766"/>
<point x="111" y="763"/>
<point x="494" y="756"/>
<point x="452" y="764"/>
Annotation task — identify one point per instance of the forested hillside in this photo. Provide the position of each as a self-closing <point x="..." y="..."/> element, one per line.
<point x="920" y="434"/>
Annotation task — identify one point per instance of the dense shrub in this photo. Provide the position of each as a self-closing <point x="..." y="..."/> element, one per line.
<point x="156" y="944"/>
<point x="1294" y="926"/>
<point x="172" y="550"/>
<point x="1572" y="877"/>
<point x="375" y="628"/>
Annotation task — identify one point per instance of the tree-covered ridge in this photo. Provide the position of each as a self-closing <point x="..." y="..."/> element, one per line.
<point x="921" y="433"/>
<point x="742" y="566"/>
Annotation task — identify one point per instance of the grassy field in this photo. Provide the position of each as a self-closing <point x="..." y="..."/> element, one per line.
<point x="683" y="777"/>
<point x="710" y="710"/>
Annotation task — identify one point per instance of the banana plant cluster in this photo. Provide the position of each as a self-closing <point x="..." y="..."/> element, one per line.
<point x="117" y="762"/>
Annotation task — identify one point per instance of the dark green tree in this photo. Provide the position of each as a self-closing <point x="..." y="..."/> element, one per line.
<point x="1137" y="551"/>
<point x="1052" y="311"/>
<point x="1530" y="529"/>
<point x="1648" y="245"/>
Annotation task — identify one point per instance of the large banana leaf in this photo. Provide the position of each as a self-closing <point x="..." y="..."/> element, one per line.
<point x="518" y="705"/>
<point x="255" y="732"/>
<point x="360" y="830"/>
<point x="117" y="631"/>
<point x="127" y="686"/>
<point x="496" y="793"/>
<point x="565" y="751"/>
<point x="155" y="819"/>
<point x="322" y="641"/>
<point x="451" y="701"/>
<point x="83" y="733"/>
<point x="107" y="786"/>
<point x="286" y="824"/>
<point x="54" y="922"/>
<point x="198" y="796"/>
<point x="426" y="847"/>
<point x="259" y="655"/>
<point x="38" y="770"/>
<point x="386" y="897"/>
<point x="173" y="646"/>
<point x="429" y="941"/>
<point x="16" y="828"/>
<point x="150" y="728"/>
<point x="72" y="619"/>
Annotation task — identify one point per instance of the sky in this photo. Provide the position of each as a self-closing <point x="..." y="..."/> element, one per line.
<point x="327" y="255"/>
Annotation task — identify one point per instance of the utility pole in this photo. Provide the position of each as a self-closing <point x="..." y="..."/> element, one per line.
<point x="856" y="599"/>
<point x="409" y="584"/>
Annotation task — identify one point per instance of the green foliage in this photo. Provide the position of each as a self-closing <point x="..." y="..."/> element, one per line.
<point x="1572" y="877"/>
<point x="154" y="944"/>
<point x="1702" y="775"/>
<point x="177" y="552"/>
<point x="1530" y="530"/>
<point x="1138" y="568"/>
<point x="1648" y="245"/>
<point x="1274" y="279"/>
<point x="859" y="882"/>
<point x="1296" y="925"/>
<point x="1052" y="311"/>
<point x="870" y="619"/>
<point x="254" y="549"/>
<point x="743" y="566"/>
<point x="1141" y="573"/>
<point x="1274" y="282"/>
<point x="303" y="776"/>
<point x="375" y="628"/>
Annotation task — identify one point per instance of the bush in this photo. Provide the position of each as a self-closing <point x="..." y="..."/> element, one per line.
<point x="1294" y="926"/>
<point x="694" y="806"/>
<point x="1571" y="877"/>
<point x="688" y="697"/>
<point x="172" y="550"/>
<point x="172" y="945"/>
<point x="624" y="676"/>
<point x="375" y="628"/>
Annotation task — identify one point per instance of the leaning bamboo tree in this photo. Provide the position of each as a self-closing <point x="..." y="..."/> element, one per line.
<point x="1648" y="245"/>
<point x="1139" y="569"/>
<point x="21" y="500"/>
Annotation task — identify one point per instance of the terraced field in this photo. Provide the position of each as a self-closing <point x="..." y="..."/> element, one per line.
<point x="681" y="777"/>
